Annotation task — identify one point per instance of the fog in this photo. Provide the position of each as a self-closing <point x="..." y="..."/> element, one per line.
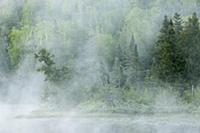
<point x="73" y="123"/>
<point x="84" y="35"/>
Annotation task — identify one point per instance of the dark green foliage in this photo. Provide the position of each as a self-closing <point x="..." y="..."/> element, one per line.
<point x="164" y="65"/>
<point x="176" y="57"/>
<point x="191" y="46"/>
<point x="180" y="60"/>
<point x="49" y="69"/>
<point x="178" y="27"/>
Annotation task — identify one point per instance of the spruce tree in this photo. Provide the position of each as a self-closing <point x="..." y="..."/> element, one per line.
<point x="179" y="59"/>
<point x="164" y="64"/>
<point x="133" y="66"/>
<point x="178" y="27"/>
<point x="191" y="48"/>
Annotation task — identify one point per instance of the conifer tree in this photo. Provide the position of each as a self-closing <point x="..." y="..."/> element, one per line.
<point x="178" y="27"/>
<point x="164" y="65"/>
<point x="179" y="60"/>
<point x="191" y="47"/>
<point x="133" y="66"/>
<point x="127" y="68"/>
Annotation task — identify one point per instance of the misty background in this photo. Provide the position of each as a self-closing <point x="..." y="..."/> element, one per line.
<point x="93" y="66"/>
<point x="83" y="40"/>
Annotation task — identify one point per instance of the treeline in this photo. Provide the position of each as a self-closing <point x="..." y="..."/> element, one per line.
<point x="176" y="53"/>
<point x="101" y="56"/>
<point x="175" y="58"/>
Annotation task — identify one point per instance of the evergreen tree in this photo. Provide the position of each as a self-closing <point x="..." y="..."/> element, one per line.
<point x="178" y="27"/>
<point x="127" y="68"/>
<point x="164" y="65"/>
<point x="179" y="59"/>
<point x="133" y="66"/>
<point x="191" y="48"/>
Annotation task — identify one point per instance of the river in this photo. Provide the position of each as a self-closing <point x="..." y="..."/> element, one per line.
<point x="71" y="122"/>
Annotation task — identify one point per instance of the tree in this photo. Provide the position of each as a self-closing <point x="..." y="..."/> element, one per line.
<point x="49" y="69"/>
<point x="17" y="39"/>
<point x="9" y="35"/>
<point x="178" y="27"/>
<point x="133" y="67"/>
<point x="164" y="64"/>
<point x="179" y="55"/>
<point x="126" y="70"/>
<point x="191" y="48"/>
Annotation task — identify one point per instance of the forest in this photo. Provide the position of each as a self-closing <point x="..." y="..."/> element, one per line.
<point x="123" y="56"/>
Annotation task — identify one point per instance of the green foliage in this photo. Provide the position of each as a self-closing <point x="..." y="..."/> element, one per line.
<point x="122" y="58"/>
<point x="164" y="65"/>
<point x="19" y="32"/>
<point x="49" y="69"/>
<point x="17" y="38"/>
<point x="188" y="96"/>
<point x="114" y="99"/>
<point x="176" y="57"/>
<point x="133" y="68"/>
<point x="174" y="47"/>
<point x="137" y="20"/>
<point x="126" y="70"/>
<point x="191" y="47"/>
<point x="178" y="24"/>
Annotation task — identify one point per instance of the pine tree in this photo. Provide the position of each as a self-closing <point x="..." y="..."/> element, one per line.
<point x="164" y="65"/>
<point x="178" y="27"/>
<point x="133" y="66"/>
<point x="191" y="48"/>
<point x="179" y="60"/>
<point x="180" y="63"/>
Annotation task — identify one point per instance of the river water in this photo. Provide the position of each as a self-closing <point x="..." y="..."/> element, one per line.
<point x="107" y="123"/>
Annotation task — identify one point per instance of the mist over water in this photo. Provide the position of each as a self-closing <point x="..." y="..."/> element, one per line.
<point x="84" y="35"/>
<point x="116" y="124"/>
